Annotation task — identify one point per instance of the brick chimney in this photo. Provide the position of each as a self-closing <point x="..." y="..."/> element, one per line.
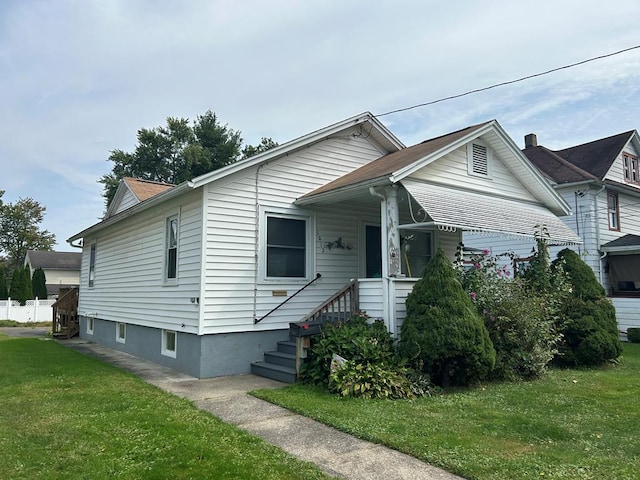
<point x="530" y="140"/>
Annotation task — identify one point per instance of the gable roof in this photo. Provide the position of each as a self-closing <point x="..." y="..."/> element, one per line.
<point x="585" y="162"/>
<point x="370" y="127"/>
<point x="54" y="260"/>
<point x="140" y="188"/>
<point x="626" y="243"/>
<point x="388" y="165"/>
<point x="394" y="167"/>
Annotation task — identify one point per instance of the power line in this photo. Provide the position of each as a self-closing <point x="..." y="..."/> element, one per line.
<point x="508" y="82"/>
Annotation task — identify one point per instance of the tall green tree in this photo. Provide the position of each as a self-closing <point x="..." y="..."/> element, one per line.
<point x="28" y="284"/>
<point x="179" y="151"/>
<point x="19" y="289"/>
<point x="20" y="230"/>
<point x="39" y="282"/>
<point x="4" y="291"/>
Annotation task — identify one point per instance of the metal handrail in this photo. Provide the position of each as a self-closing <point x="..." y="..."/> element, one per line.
<point x="257" y="320"/>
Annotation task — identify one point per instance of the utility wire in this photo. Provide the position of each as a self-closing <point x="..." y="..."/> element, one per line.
<point x="508" y="82"/>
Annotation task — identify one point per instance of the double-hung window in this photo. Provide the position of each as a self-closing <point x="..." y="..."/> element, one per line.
<point x="287" y="246"/>
<point x="613" y="210"/>
<point x="171" y="245"/>
<point x="631" y="168"/>
<point x="92" y="264"/>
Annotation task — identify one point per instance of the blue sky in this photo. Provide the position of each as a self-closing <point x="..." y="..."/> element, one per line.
<point x="78" y="78"/>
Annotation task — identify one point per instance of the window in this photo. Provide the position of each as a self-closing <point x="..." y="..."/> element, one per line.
<point x="635" y="175"/>
<point x="626" y="167"/>
<point x="478" y="159"/>
<point x="286" y="248"/>
<point x="613" y="210"/>
<point x="169" y="343"/>
<point x="92" y="264"/>
<point x="171" y="261"/>
<point x="121" y="332"/>
<point x="416" y="252"/>
<point x="90" y="325"/>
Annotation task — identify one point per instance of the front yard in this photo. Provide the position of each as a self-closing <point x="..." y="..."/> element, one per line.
<point x="572" y="424"/>
<point x="65" y="416"/>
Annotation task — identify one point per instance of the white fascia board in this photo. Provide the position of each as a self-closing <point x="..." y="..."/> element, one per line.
<point x="398" y="175"/>
<point x="296" y="144"/>
<point x="161" y="197"/>
<point x="342" y="193"/>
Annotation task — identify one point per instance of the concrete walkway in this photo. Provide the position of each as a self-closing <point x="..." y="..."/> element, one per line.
<point x="336" y="453"/>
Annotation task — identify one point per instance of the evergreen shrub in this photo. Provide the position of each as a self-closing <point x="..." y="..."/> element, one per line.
<point x="633" y="334"/>
<point x="588" y="325"/>
<point x="442" y="332"/>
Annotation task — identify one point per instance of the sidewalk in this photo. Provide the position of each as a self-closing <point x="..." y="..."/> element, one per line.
<point x="336" y="453"/>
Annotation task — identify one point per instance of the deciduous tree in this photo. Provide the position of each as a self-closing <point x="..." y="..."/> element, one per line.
<point x="179" y="151"/>
<point x="20" y="230"/>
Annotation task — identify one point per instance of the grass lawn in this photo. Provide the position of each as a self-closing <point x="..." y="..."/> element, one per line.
<point x="64" y="416"/>
<point x="572" y="424"/>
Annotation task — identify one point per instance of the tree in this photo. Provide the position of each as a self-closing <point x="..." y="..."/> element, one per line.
<point x="28" y="284"/>
<point x="20" y="231"/>
<point x="19" y="290"/>
<point x="4" y="291"/>
<point x="179" y="151"/>
<point x="39" y="282"/>
<point x="442" y="331"/>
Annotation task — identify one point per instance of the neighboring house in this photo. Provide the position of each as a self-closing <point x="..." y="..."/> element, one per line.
<point x="601" y="181"/>
<point x="61" y="269"/>
<point x="190" y="277"/>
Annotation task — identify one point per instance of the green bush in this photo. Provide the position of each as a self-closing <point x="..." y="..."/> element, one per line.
<point x="39" y="283"/>
<point x="519" y="319"/>
<point x="633" y="335"/>
<point x="4" y="291"/>
<point x="589" y="326"/>
<point x="356" y="340"/>
<point x="442" y="332"/>
<point x="371" y="380"/>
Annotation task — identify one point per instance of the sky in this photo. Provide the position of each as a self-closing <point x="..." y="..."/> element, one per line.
<point x="78" y="78"/>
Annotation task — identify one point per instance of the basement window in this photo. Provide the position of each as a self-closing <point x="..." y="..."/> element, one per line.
<point x="121" y="332"/>
<point x="169" y="343"/>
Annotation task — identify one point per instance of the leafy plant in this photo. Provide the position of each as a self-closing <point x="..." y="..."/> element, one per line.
<point x="370" y="380"/>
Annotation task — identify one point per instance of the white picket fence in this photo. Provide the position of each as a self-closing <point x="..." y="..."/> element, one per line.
<point x="34" y="311"/>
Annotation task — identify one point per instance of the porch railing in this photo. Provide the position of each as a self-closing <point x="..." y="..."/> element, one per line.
<point x="338" y="307"/>
<point x="65" y="314"/>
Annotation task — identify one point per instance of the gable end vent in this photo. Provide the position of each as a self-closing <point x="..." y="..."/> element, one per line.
<point x="479" y="160"/>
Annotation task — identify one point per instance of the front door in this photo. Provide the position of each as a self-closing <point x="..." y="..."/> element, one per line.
<point x="373" y="251"/>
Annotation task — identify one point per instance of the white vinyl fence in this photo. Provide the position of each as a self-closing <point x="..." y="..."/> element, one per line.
<point x="34" y="311"/>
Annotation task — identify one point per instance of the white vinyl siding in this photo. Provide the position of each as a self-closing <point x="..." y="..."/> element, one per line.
<point x="232" y="283"/>
<point x="617" y="173"/>
<point x="128" y="200"/>
<point x="452" y="169"/>
<point x="130" y="265"/>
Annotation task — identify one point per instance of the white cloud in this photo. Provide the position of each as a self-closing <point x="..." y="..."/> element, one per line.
<point x="81" y="77"/>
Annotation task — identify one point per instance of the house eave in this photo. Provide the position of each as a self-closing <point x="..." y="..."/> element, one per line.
<point x="343" y="193"/>
<point x="153" y="201"/>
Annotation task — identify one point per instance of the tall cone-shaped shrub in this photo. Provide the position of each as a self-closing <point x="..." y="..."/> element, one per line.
<point x="589" y="327"/>
<point x="442" y="332"/>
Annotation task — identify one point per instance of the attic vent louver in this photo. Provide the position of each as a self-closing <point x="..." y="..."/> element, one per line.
<point x="479" y="160"/>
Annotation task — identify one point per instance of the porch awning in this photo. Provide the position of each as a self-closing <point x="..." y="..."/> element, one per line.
<point x="478" y="212"/>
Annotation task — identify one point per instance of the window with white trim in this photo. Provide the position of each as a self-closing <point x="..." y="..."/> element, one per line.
<point x="121" y="332"/>
<point x="92" y="264"/>
<point x="169" y="343"/>
<point x="171" y="246"/>
<point x="287" y="241"/>
<point x="478" y="159"/>
<point x="90" y="325"/>
<point x="613" y="210"/>
<point x="416" y="251"/>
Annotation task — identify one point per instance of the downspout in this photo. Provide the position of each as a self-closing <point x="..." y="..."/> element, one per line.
<point x="256" y="262"/>
<point x="597" y="220"/>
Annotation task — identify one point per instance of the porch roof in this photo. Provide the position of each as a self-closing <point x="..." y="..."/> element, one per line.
<point x="448" y="207"/>
<point x="629" y="244"/>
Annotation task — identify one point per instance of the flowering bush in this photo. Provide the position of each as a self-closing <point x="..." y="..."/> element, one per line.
<point x="520" y="319"/>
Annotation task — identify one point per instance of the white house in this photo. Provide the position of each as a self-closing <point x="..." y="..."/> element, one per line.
<point x="601" y="181"/>
<point x="61" y="269"/>
<point x="207" y="276"/>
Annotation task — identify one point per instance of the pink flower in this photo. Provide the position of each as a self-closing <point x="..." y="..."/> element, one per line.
<point x="476" y="266"/>
<point x="473" y="295"/>
<point x="485" y="251"/>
